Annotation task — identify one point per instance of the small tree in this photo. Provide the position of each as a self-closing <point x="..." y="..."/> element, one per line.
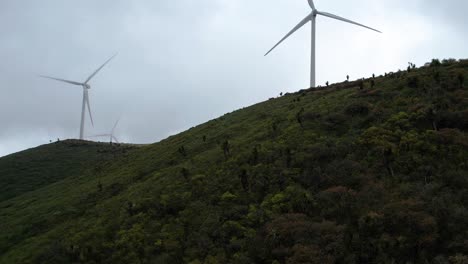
<point x="226" y="149"/>
<point x="361" y="85"/>
<point x="347" y="78"/>
<point x="288" y="157"/>
<point x="327" y="83"/>
<point x="299" y="117"/>
<point x="182" y="151"/>
<point x="435" y="63"/>
<point x="254" y="156"/>
<point x="413" y="82"/>
<point x="244" y="180"/>
<point x="461" y="79"/>
<point x="185" y="173"/>
<point x="436" y="76"/>
<point x="373" y="76"/>
<point x="204" y="138"/>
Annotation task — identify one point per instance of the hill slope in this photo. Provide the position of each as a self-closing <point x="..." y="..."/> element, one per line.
<point x="32" y="169"/>
<point x="335" y="175"/>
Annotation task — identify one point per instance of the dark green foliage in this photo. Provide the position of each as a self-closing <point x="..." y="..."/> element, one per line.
<point x="435" y="63"/>
<point x="182" y="151"/>
<point x="334" y="122"/>
<point x="32" y="169"/>
<point x="244" y="178"/>
<point x="185" y="173"/>
<point x="358" y="108"/>
<point x="436" y="76"/>
<point x="254" y="158"/>
<point x="448" y="119"/>
<point x="300" y="117"/>
<point x="331" y="175"/>
<point x="448" y="62"/>
<point x="461" y="79"/>
<point x="413" y="82"/>
<point x="274" y="127"/>
<point x="226" y="149"/>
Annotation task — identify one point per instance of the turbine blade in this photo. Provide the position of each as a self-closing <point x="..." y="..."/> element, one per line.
<point x="60" y="80"/>
<point x="115" y="125"/>
<point x="89" y="108"/>
<point x="94" y="73"/>
<point x="345" y="20"/>
<point x="103" y="135"/>
<point x="311" y="3"/>
<point x="115" y="139"/>
<point x="302" y="23"/>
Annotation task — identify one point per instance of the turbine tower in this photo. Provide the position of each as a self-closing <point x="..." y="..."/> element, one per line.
<point x="86" y="87"/>
<point x="312" y="18"/>
<point x="111" y="134"/>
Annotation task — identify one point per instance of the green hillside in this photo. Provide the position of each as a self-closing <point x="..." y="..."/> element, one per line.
<point x="32" y="169"/>
<point x="358" y="172"/>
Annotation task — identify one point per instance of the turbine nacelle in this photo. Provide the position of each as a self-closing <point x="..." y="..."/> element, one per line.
<point x="86" y="86"/>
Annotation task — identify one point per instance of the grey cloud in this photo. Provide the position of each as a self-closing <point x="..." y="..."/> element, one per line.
<point x="451" y="12"/>
<point x="180" y="63"/>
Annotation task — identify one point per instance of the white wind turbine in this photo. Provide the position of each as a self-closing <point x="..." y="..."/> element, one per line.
<point x="86" y="87"/>
<point x="312" y="18"/>
<point x="111" y="134"/>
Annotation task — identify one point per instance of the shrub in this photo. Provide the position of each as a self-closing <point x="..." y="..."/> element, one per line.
<point x="449" y="61"/>
<point x="413" y="82"/>
<point x="334" y="121"/>
<point x="461" y="79"/>
<point x="310" y="116"/>
<point x="453" y="120"/>
<point x="357" y="108"/>
<point x="435" y="63"/>
<point x="299" y="117"/>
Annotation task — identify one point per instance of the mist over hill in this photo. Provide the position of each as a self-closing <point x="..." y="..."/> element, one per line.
<point x="369" y="171"/>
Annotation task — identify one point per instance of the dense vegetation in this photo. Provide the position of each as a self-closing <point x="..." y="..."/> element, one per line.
<point x="31" y="169"/>
<point x="372" y="171"/>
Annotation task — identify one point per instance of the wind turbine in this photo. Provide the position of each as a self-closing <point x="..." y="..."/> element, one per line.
<point x="312" y="18"/>
<point x="86" y="87"/>
<point x="111" y="134"/>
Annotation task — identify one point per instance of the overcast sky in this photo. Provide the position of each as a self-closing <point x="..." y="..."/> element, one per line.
<point x="182" y="63"/>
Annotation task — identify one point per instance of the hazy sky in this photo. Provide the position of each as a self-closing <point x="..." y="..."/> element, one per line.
<point x="184" y="62"/>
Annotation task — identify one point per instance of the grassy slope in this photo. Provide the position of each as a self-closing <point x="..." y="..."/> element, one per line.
<point x="32" y="169"/>
<point x="365" y="168"/>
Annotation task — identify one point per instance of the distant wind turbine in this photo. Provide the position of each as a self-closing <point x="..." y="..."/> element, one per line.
<point x="86" y="87"/>
<point x="312" y="18"/>
<point x="111" y="134"/>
